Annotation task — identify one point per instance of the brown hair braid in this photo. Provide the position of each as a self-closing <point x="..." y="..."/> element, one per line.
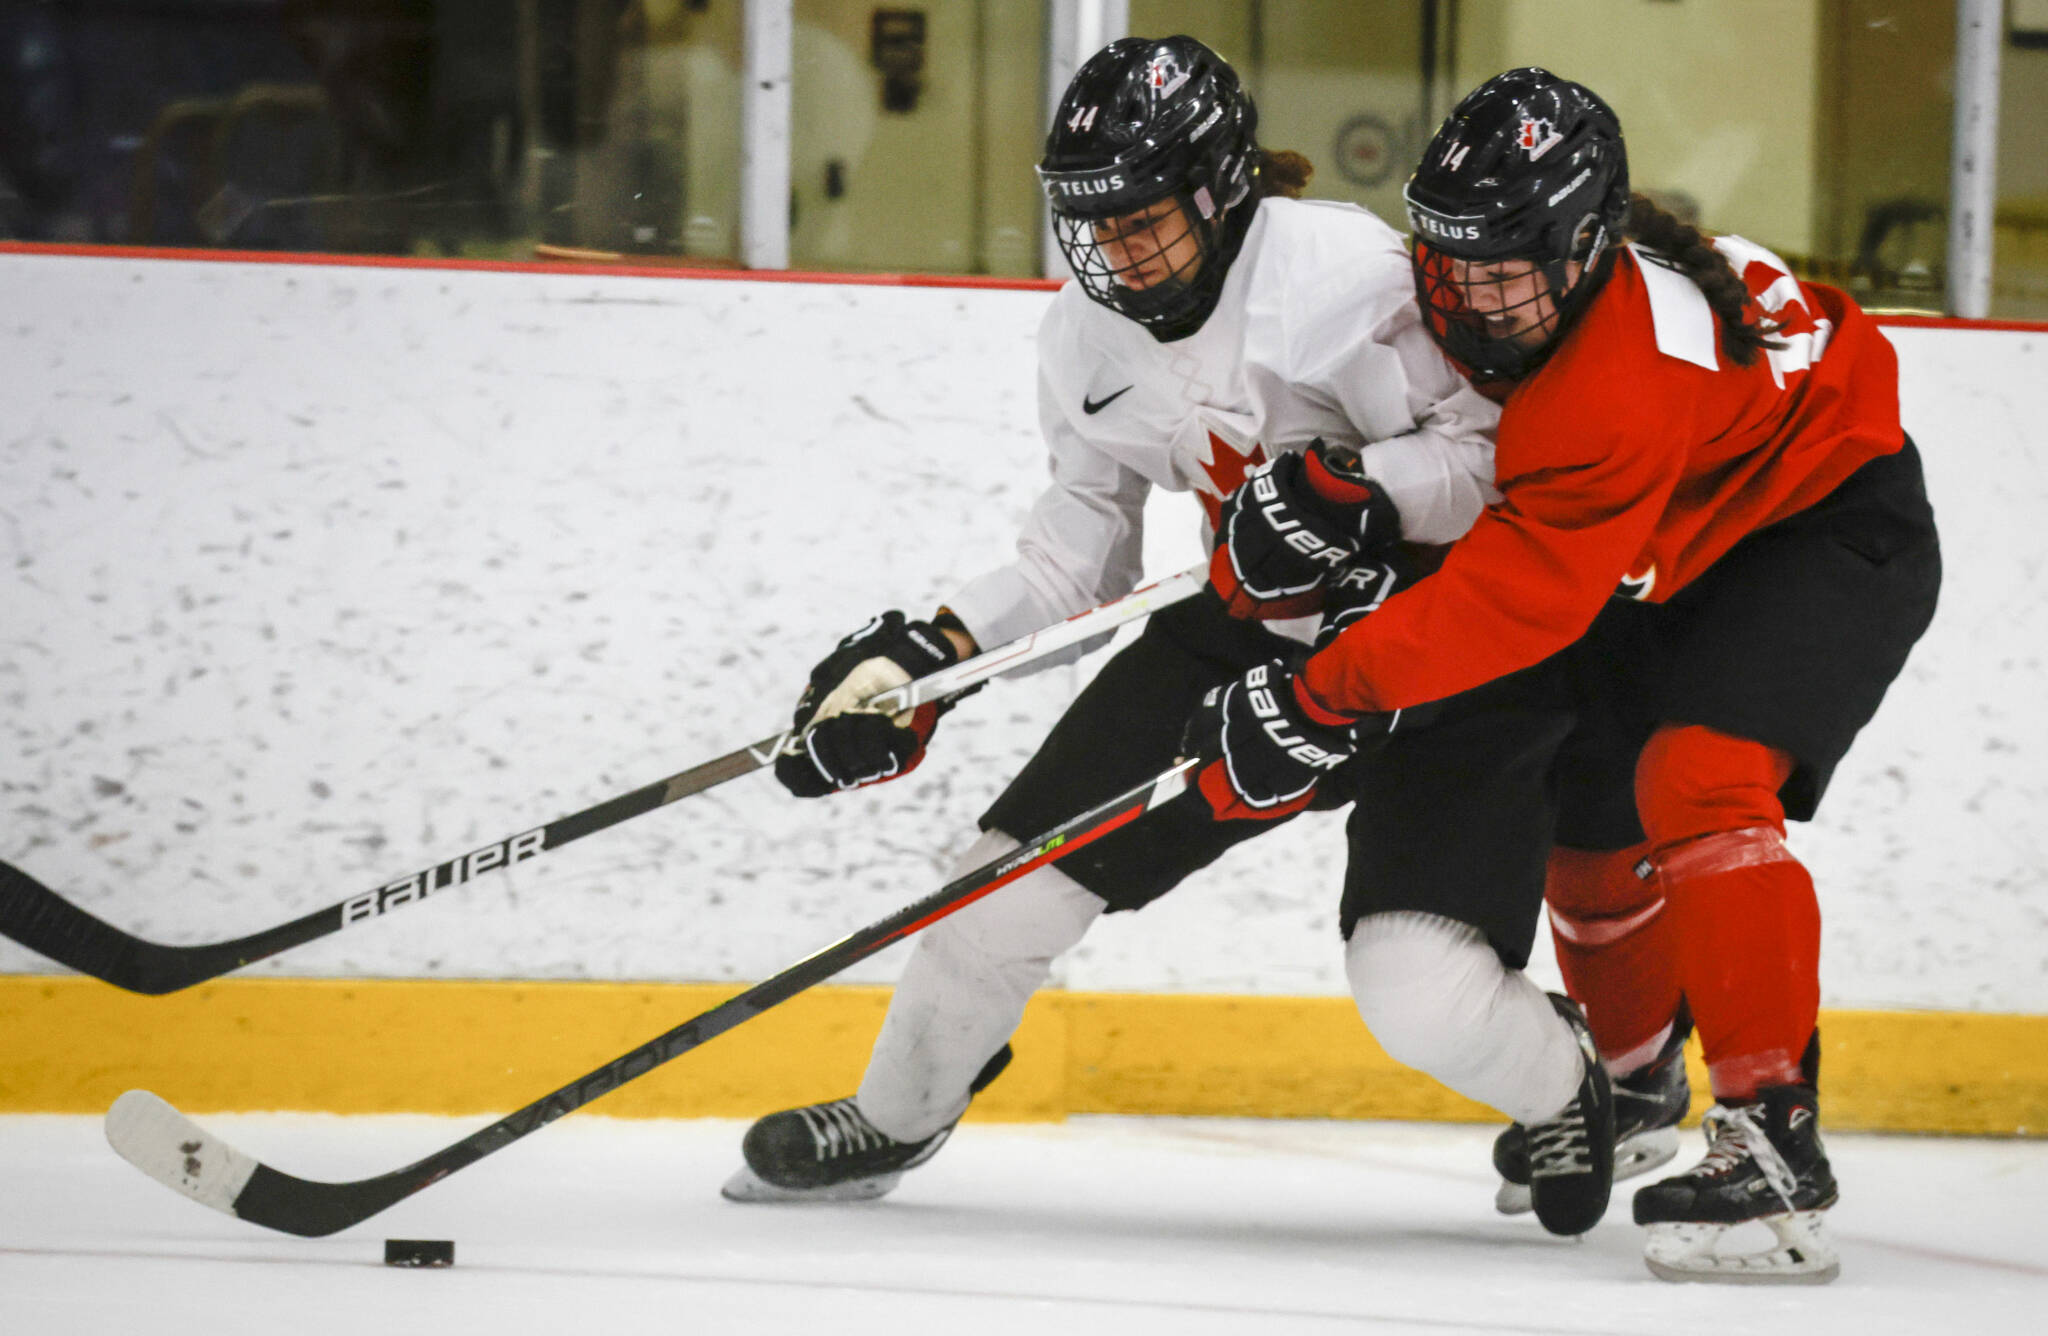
<point x="1283" y="172"/>
<point x="1688" y="248"/>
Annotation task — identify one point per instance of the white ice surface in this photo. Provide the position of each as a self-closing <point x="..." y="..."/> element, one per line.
<point x="1128" y="1227"/>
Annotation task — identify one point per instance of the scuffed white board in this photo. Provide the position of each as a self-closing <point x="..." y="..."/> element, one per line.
<point x="317" y="575"/>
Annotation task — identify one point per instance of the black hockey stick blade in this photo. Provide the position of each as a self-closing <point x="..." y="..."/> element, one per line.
<point x="45" y="922"/>
<point x="162" y="1142"/>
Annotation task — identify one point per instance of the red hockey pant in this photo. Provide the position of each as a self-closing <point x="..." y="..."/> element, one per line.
<point x="1712" y="909"/>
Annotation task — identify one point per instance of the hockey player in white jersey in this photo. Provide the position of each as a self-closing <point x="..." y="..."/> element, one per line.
<point x="1216" y="327"/>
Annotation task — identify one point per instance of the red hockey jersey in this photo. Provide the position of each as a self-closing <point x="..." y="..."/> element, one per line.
<point x="1628" y="463"/>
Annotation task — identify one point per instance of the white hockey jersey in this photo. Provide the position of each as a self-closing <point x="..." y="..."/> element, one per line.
<point x="1316" y="333"/>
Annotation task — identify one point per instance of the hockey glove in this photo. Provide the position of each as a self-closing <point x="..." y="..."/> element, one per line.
<point x="1360" y="586"/>
<point x="1356" y="591"/>
<point x="848" y="746"/>
<point x="1295" y="520"/>
<point x="1261" y="754"/>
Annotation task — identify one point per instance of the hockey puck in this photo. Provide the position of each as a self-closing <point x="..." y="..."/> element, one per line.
<point x="419" y="1252"/>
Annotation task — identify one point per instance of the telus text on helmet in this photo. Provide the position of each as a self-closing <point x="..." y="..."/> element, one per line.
<point x="1449" y="231"/>
<point x="1099" y="187"/>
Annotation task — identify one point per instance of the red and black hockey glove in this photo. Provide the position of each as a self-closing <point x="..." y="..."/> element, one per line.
<point x="849" y="746"/>
<point x="1262" y="754"/>
<point x="1296" y="520"/>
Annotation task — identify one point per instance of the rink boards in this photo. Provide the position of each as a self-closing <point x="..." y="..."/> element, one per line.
<point x="318" y="573"/>
<point x="466" y="1047"/>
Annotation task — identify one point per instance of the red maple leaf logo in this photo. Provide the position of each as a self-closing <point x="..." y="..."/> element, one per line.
<point x="1536" y="137"/>
<point x="1226" y="469"/>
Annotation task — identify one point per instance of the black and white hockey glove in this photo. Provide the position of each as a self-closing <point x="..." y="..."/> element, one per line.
<point x="1359" y="587"/>
<point x="1262" y="754"/>
<point x="850" y="746"/>
<point x="1355" y="592"/>
<point x="1290" y="526"/>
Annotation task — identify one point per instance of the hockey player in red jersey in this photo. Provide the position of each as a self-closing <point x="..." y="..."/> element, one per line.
<point x="1712" y="555"/>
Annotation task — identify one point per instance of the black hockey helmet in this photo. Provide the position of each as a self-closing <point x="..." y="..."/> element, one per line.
<point x="1527" y="167"/>
<point x="1142" y="122"/>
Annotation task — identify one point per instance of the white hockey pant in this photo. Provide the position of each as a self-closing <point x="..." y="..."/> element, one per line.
<point x="1438" y="999"/>
<point x="963" y="992"/>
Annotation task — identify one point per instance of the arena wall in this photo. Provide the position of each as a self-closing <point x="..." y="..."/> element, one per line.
<point x="319" y="573"/>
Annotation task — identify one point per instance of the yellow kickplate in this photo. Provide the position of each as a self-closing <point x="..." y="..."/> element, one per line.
<point x="70" y="1045"/>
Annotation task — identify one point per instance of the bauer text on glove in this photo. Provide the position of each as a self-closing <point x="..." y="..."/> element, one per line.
<point x="1293" y="522"/>
<point x="1262" y="756"/>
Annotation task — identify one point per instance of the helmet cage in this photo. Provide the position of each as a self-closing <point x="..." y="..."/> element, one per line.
<point x="1500" y="319"/>
<point x="1161" y="264"/>
<point x="1191" y="143"/>
<point x="1530" y="168"/>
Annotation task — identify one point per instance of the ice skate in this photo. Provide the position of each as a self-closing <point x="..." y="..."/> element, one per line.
<point x="830" y="1152"/>
<point x="1648" y="1106"/>
<point x="1571" y="1156"/>
<point x="824" y="1152"/>
<point x="1764" y="1164"/>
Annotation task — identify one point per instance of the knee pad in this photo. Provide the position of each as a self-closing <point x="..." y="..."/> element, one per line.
<point x="1423" y="983"/>
<point x="1693" y="781"/>
<point x="1436" y="996"/>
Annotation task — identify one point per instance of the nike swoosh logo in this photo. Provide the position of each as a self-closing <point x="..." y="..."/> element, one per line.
<point x="1094" y="406"/>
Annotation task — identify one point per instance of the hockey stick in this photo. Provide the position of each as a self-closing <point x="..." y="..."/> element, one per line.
<point x="40" y="919"/>
<point x="154" y="1137"/>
